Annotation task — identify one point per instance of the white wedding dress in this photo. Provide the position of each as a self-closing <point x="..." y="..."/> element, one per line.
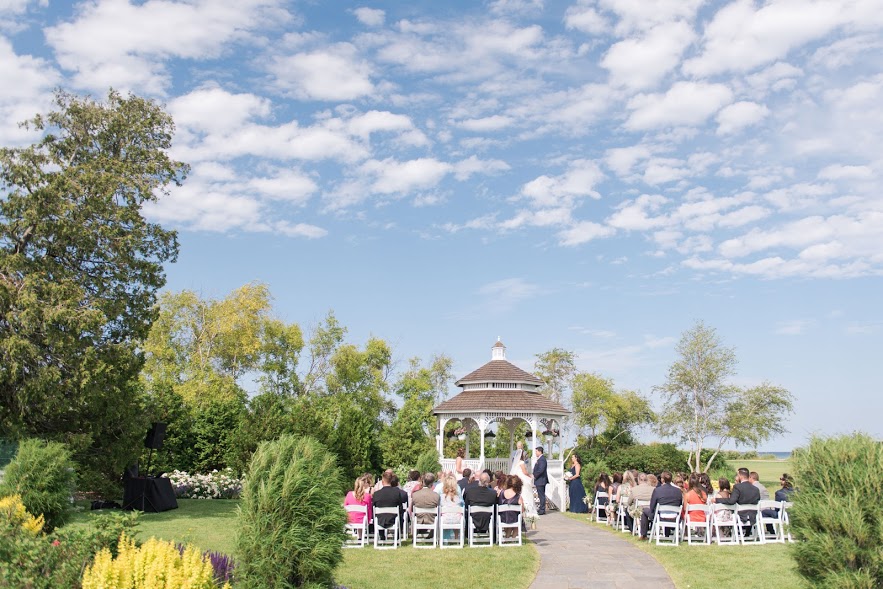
<point x="527" y="489"/>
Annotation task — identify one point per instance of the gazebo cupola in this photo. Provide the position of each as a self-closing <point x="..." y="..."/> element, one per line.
<point x="500" y="392"/>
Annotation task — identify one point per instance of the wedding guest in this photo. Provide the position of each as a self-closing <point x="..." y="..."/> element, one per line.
<point x="602" y="485"/>
<point x="481" y="496"/>
<point x="744" y="493"/>
<point x="696" y="496"/>
<point x="465" y="479"/>
<point x="664" y="494"/>
<point x="723" y="489"/>
<point x="511" y="495"/>
<point x="387" y="496"/>
<point x="450" y="498"/>
<point x="575" y="488"/>
<point x="616" y="481"/>
<point x="652" y="480"/>
<point x="360" y="495"/>
<point x="426" y="498"/>
<point x="643" y="491"/>
<point x="755" y="480"/>
<point x="784" y="494"/>
<point x="499" y="481"/>
<point x="705" y="481"/>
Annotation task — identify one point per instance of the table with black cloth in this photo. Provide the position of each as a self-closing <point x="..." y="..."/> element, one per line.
<point x="149" y="494"/>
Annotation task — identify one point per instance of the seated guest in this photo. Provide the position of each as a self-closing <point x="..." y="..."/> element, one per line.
<point x="379" y="483"/>
<point x="413" y="482"/>
<point x="744" y="493"/>
<point x="602" y="485"/>
<point x="481" y="495"/>
<point x="360" y="495"/>
<point x="450" y="497"/>
<point x="499" y="482"/>
<point x="426" y="498"/>
<point x="664" y="494"/>
<point x="387" y="496"/>
<point x="394" y="482"/>
<point x="723" y="489"/>
<point x="640" y="492"/>
<point x="696" y="496"/>
<point x="705" y="481"/>
<point x="510" y="495"/>
<point x="784" y="494"/>
<point x="755" y="480"/>
<point x="467" y="476"/>
<point x="652" y="480"/>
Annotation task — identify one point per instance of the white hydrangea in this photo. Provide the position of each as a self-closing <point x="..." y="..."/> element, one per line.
<point x="224" y="484"/>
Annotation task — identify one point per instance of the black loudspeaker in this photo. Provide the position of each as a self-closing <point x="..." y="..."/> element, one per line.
<point x="155" y="436"/>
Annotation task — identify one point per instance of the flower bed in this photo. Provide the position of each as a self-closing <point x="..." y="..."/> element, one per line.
<point x="224" y="484"/>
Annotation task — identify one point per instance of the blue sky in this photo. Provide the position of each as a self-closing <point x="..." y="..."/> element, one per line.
<point x="594" y="175"/>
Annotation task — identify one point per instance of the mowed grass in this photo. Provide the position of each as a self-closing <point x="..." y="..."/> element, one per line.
<point x="713" y="567"/>
<point x="211" y="525"/>
<point x="769" y="470"/>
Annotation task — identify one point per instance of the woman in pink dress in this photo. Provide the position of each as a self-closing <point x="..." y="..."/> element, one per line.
<point x="360" y="495"/>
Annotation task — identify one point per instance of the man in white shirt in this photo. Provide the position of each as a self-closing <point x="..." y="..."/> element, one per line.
<point x="755" y="480"/>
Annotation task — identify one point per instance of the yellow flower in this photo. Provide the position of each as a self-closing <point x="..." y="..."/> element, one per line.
<point x="14" y="511"/>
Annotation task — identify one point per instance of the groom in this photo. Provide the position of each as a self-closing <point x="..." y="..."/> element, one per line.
<point x="540" y="479"/>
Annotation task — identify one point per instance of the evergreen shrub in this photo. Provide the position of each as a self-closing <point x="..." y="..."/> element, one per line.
<point x="43" y="475"/>
<point x="649" y="458"/>
<point x="291" y="517"/>
<point x="428" y="462"/>
<point x="836" y="518"/>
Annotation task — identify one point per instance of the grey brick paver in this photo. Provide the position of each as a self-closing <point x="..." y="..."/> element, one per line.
<point x="576" y="556"/>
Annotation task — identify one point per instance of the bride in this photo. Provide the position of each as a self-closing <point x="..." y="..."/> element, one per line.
<point x="520" y="470"/>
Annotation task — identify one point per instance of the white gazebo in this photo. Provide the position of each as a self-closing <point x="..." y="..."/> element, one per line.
<point x="501" y="392"/>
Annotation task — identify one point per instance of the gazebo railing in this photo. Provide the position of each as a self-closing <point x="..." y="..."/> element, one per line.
<point x="492" y="464"/>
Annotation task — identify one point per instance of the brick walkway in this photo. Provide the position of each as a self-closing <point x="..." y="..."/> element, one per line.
<point x="575" y="555"/>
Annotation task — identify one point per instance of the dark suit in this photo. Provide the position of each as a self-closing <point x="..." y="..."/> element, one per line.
<point x="540" y="480"/>
<point x="744" y="493"/>
<point x="666" y="494"/>
<point x="387" y="497"/>
<point x="481" y="497"/>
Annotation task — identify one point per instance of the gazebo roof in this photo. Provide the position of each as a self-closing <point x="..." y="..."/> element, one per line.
<point x="499" y="371"/>
<point x="500" y="400"/>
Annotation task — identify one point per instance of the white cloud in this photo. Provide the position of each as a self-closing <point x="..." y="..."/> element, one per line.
<point x="26" y="84"/>
<point x="843" y="172"/>
<point x="739" y="115"/>
<point x="397" y="177"/>
<point x="214" y="110"/>
<point x="121" y="44"/>
<point x="578" y="181"/>
<point x="742" y="36"/>
<point x="503" y="295"/>
<point x="335" y="73"/>
<point x="492" y="123"/>
<point x="636" y="215"/>
<point x="641" y="15"/>
<point x="464" y="169"/>
<point x="685" y="103"/>
<point x="582" y="16"/>
<point x="288" y="185"/>
<point x="372" y="17"/>
<point x="583" y="232"/>
<point x="640" y="63"/>
<point x="793" y="327"/>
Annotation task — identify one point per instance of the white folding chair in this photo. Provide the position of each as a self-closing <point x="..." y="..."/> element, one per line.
<point x="393" y="530"/>
<point x="691" y="526"/>
<point x="356" y="534"/>
<point x="754" y="531"/>
<point x="457" y="541"/>
<point x="776" y="522"/>
<point x="640" y="504"/>
<point x="621" y="513"/>
<point x="476" y="538"/>
<point x="429" y="540"/>
<point x="502" y="540"/>
<point x="406" y="522"/>
<point x="786" y="520"/>
<point x="723" y="517"/>
<point x="667" y="517"/>
<point x="598" y="507"/>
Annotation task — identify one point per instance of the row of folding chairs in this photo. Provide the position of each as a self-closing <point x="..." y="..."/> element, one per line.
<point x="359" y="535"/>
<point x="721" y="523"/>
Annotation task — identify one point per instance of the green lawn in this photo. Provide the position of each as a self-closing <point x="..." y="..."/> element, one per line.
<point x="714" y="567"/>
<point x="211" y="525"/>
<point x="769" y="470"/>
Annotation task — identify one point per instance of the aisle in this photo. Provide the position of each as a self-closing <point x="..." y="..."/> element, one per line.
<point x="574" y="555"/>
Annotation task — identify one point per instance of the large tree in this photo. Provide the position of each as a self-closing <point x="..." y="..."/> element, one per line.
<point x="80" y="268"/>
<point x="605" y="413"/>
<point x="556" y="368"/>
<point x="701" y="404"/>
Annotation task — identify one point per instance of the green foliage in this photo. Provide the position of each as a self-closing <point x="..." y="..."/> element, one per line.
<point x="648" y="458"/>
<point x="700" y="403"/>
<point x="602" y="410"/>
<point x="428" y="462"/>
<point x="79" y="271"/>
<point x="556" y="368"/>
<point x="291" y="520"/>
<point x="836" y="518"/>
<point x="44" y="475"/>
<point x="57" y="559"/>
<point x="590" y="472"/>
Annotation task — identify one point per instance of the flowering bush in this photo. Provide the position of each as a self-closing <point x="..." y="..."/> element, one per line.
<point x="154" y="565"/>
<point x="13" y="510"/>
<point x="460" y="431"/>
<point x="224" y="484"/>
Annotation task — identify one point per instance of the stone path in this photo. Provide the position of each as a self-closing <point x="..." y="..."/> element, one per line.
<point x="575" y="555"/>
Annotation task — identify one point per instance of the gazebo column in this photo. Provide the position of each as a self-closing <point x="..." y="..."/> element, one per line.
<point x="510" y="423"/>
<point x="482" y="423"/>
<point x="533" y="426"/>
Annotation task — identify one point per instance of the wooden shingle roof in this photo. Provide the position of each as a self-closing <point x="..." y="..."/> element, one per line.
<point x="500" y="400"/>
<point x="499" y="371"/>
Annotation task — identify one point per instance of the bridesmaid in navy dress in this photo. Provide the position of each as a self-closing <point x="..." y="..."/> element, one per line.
<point x="575" y="486"/>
